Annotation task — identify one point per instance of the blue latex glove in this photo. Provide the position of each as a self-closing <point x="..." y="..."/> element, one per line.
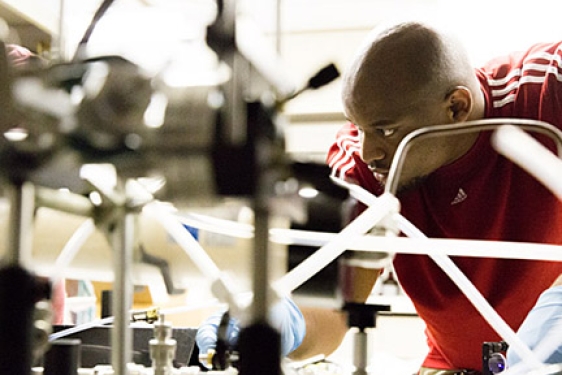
<point x="544" y="317"/>
<point x="285" y="316"/>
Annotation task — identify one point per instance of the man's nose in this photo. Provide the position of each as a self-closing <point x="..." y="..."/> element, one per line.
<point x="372" y="150"/>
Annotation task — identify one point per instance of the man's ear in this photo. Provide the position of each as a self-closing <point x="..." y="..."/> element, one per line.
<point x="459" y="102"/>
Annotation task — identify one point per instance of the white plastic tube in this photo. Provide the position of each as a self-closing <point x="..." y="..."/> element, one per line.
<point x="80" y="328"/>
<point x="108" y="320"/>
<point x="71" y="248"/>
<point x="384" y="206"/>
<point x="211" y="224"/>
<point x="330" y="250"/>
<point x="529" y="154"/>
<point x="463" y="283"/>
<point x="411" y="245"/>
<point x="484" y="308"/>
<point x="425" y="246"/>
<point x="221" y="284"/>
<point x="184" y="239"/>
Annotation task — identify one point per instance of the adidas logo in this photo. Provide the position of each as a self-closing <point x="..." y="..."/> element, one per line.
<point x="461" y="196"/>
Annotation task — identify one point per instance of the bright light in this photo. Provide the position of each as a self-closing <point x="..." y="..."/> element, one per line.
<point x="102" y="176"/>
<point x="152" y="184"/>
<point x="194" y="65"/>
<point x="16" y="134"/>
<point x="155" y="113"/>
<point x="308" y="192"/>
<point x="95" y="198"/>
<point x="147" y="35"/>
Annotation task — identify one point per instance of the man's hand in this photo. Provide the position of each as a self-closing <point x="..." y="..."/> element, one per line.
<point x="543" y="319"/>
<point x="285" y="316"/>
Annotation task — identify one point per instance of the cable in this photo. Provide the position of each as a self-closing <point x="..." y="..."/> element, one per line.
<point x="100" y="12"/>
<point x="108" y="320"/>
<point x="324" y="76"/>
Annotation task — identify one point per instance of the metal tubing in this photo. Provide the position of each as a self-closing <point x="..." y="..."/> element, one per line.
<point x="460" y="128"/>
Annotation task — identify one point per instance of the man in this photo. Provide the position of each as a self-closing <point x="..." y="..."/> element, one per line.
<point x="457" y="186"/>
<point x="409" y="76"/>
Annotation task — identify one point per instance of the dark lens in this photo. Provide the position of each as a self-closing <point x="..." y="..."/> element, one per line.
<point x="496" y="363"/>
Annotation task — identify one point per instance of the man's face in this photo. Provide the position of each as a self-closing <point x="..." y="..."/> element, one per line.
<point x="384" y="122"/>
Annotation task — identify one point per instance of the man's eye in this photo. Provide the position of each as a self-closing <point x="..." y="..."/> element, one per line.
<point x="386" y="132"/>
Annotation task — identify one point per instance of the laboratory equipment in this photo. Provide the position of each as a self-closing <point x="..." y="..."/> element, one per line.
<point x="91" y="111"/>
<point x="63" y="357"/>
<point x="162" y="348"/>
<point x="361" y="317"/>
<point x="131" y="148"/>
<point x="493" y="357"/>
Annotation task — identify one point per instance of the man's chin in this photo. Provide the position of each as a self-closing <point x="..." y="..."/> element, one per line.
<point x="403" y="186"/>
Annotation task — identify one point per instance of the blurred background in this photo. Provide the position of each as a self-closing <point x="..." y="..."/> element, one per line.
<point x="305" y="34"/>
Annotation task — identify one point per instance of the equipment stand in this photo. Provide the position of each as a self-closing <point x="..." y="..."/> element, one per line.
<point x="361" y="316"/>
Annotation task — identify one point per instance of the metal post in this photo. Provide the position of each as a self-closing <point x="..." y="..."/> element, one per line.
<point x="260" y="260"/>
<point x="18" y="288"/>
<point x="122" y="237"/>
<point x="360" y="352"/>
<point x="20" y="235"/>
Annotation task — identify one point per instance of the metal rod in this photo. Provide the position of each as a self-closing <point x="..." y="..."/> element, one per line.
<point x="64" y="201"/>
<point x="460" y="128"/>
<point x="278" y="25"/>
<point x="360" y="352"/>
<point x="60" y="40"/>
<point x="17" y="286"/>
<point x="20" y="236"/>
<point x="260" y="260"/>
<point x="122" y="238"/>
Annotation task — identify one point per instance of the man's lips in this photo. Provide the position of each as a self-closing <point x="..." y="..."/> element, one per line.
<point x="380" y="173"/>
